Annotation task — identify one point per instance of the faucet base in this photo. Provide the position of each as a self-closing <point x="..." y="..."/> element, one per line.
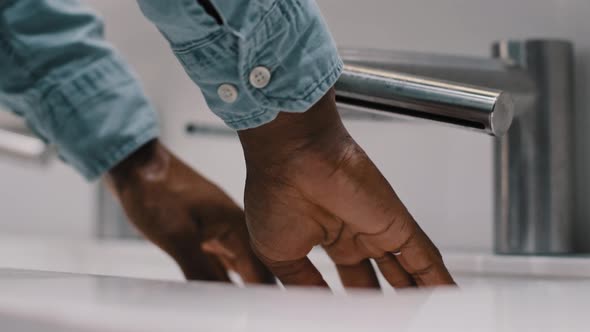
<point x="534" y="166"/>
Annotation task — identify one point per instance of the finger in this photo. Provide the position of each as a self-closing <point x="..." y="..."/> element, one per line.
<point x="300" y="272"/>
<point x="361" y="275"/>
<point x="235" y="254"/>
<point x="202" y="266"/>
<point x="216" y="269"/>
<point x="246" y="263"/>
<point x="391" y="227"/>
<point x="252" y="271"/>
<point x="393" y="272"/>
<point x="416" y="253"/>
<point x="420" y="257"/>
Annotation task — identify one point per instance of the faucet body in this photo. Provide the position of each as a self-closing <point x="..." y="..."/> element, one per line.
<point x="533" y="159"/>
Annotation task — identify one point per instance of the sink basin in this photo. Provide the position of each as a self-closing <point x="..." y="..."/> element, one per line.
<point x="139" y="259"/>
<point x="496" y="293"/>
<point x="472" y="270"/>
<point x="35" y="301"/>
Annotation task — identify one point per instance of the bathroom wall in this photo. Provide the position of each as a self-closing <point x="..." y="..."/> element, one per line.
<point x="461" y="211"/>
<point x="444" y="175"/>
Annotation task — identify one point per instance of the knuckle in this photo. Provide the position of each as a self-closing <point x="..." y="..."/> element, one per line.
<point x="349" y="261"/>
<point x="407" y="236"/>
<point x="383" y="259"/>
<point x="419" y="272"/>
<point x="346" y="258"/>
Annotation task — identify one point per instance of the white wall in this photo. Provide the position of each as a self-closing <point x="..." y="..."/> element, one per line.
<point x="456" y="205"/>
<point x="38" y="198"/>
<point x="444" y="175"/>
<point x="52" y="200"/>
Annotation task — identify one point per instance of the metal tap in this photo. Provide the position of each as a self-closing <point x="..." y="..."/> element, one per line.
<point x="526" y="86"/>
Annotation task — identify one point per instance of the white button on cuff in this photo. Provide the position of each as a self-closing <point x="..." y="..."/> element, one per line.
<point x="260" y="77"/>
<point x="228" y="93"/>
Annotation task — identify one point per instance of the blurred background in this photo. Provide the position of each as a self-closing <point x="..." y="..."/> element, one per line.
<point x="445" y="176"/>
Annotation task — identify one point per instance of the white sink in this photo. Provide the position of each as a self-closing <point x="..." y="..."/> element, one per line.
<point x="486" y="269"/>
<point x="143" y="260"/>
<point x="507" y="294"/>
<point x="41" y="301"/>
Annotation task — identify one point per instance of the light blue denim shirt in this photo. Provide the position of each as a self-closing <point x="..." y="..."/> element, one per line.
<point x="286" y="42"/>
<point x="251" y="59"/>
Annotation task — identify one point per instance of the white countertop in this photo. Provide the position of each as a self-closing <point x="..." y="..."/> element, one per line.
<point x="142" y="259"/>
<point x="41" y="301"/>
<point x="498" y="293"/>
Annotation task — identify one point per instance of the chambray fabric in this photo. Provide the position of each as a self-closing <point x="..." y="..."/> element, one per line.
<point x="74" y="91"/>
<point x="289" y="37"/>
<point x="77" y="93"/>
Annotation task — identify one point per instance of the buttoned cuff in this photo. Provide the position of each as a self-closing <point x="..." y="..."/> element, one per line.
<point x="284" y="60"/>
<point x="95" y="119"/>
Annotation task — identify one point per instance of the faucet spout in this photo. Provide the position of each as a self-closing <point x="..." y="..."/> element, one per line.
<point x="398" y="94"/>
<point x="526" y="86"/>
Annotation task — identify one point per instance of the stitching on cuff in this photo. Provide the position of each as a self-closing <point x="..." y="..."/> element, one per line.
<point x="311" y="97"/>
<point x="329" y="79"/>
<point x="247" y="118"/>
<point x="253" y="122"/>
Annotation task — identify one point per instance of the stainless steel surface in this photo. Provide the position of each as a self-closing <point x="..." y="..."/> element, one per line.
<point x="398" y="94"/>
<point x="533" y="161"/>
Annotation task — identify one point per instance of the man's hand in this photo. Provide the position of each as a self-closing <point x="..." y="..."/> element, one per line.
<point x="187" y="216"/>
<point x="310" y="184"/>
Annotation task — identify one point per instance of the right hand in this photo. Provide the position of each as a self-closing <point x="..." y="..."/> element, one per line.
<point x="309" y="183"/>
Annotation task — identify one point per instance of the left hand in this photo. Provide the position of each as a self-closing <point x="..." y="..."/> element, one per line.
<point x="187" y="216"/>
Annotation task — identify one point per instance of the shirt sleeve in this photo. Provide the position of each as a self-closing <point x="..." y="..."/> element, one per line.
<point x="73" y="89"/>
<point x="251" y="58"/>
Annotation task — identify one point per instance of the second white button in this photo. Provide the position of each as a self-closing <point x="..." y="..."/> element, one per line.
<point x="228" y="93"/>
<point x="260" y="77"/>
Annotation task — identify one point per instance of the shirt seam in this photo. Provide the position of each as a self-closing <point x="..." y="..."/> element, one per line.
<point x="249" y="117"/>
<point x="263" y="17"/>
<point x="7" y="39"/>
<point x="72" y="108"/>
<point x="188" y="47"/>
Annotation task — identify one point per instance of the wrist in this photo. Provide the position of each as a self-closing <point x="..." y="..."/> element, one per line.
<point x="148" y="161"/>
<point x="319" y="130"/>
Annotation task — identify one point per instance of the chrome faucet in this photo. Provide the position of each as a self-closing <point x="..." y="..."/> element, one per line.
<point x="522" y="95"/>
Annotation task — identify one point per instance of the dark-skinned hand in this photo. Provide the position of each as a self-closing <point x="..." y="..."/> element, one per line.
<point x="309" y="183"/>
<point x="187" y="216"/>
